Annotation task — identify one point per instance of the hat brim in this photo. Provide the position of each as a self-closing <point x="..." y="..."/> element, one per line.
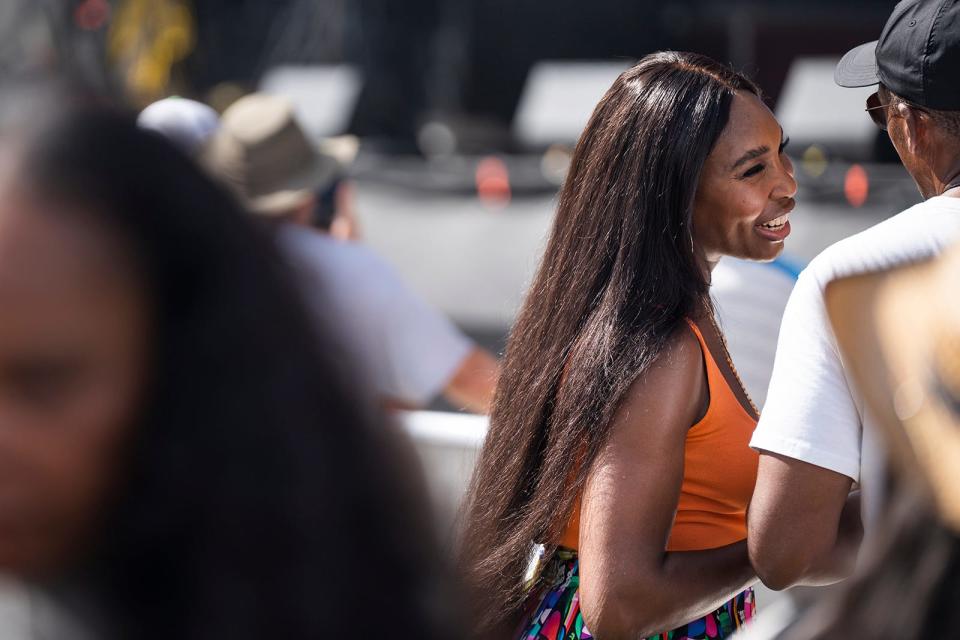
<point x="885" y="324"/>
<point x="294" y="191"/>
<point x="344" y="149"/>
<point x="280" y="203"/>
<point x="858" y="68"/>
<point x="220" y="157"/>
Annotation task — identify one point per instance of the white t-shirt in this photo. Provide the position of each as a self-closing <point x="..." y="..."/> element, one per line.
<point x="750" y="298"/>
<point x="813" y="412"/>
<point x="404" y="347"/>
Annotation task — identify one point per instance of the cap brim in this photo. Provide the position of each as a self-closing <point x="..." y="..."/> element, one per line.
<point x="858" y="68"/>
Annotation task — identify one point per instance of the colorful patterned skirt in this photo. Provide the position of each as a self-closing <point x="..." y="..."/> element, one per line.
<point x="557" y="616"/>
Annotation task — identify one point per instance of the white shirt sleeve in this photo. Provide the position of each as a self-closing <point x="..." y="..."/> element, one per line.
<point x="422" y="349"/>
<point x="810" y="413"/>
<point x="407" y="350"/>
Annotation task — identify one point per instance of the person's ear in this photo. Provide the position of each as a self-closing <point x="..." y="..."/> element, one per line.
<point x="916" y="128"/>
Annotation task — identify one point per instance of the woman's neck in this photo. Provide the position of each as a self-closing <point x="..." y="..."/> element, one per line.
<point x="707" y="264"/>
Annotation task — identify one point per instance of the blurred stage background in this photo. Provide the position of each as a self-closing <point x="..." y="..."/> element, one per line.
<point x="466" y="112"/>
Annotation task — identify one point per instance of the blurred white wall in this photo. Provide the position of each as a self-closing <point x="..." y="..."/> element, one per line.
<point x="559" y="98"/>
<point x="323" y="95"/>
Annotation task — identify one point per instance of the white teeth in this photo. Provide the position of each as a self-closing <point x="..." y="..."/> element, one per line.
<point x="777" y="222"/>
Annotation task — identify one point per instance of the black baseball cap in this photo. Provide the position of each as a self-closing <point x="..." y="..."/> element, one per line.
<point x="917" y="56"/>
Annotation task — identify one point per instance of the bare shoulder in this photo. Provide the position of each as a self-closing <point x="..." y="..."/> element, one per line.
<point x="682" y="353"/>
<point x="671" y="390"/>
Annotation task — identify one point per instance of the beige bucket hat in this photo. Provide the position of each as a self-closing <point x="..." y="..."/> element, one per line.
<point x="899" y="332"/>
<point x="263" y="153"/>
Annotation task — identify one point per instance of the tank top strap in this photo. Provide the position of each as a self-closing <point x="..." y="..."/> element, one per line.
<point x="722" y="397"/>
<point x="714" y="375"/>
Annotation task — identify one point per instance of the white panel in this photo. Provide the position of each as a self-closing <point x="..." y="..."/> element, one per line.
<point x="813" y="110"/>
<point x="324" y="95"/>
<point x="559" y="98"/>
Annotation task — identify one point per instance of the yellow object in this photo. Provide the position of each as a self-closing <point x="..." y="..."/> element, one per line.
<point x="814" y="161"/>
<point x="146" y="39"/>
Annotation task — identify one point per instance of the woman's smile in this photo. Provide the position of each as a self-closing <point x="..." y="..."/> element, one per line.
<point x="776" y="229"/>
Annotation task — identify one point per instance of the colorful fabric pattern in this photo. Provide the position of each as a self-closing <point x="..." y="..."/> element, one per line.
<point x="558" y="617"/>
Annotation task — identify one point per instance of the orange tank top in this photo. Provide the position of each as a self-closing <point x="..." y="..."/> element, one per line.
<point x="719" y="472"/>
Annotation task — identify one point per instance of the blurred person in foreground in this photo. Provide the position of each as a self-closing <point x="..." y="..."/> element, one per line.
<point x="180" y="455"/>
<point x="899" y="333"/>
<point x="409" y="350"/>
<point x="815" y="438"/>
<point x="618" y="444"/>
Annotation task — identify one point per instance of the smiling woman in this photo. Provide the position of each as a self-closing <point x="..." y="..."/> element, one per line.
<point x="617" y="454"/>
<point x="745" y="197"/>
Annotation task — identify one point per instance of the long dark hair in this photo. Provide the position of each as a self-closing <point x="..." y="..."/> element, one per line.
<point x="261" y="498"/>
<point x="619" y="273"/>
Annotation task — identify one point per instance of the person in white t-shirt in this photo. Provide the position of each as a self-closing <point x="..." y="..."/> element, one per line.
<point x="405" y="348"/>
<point x="815" y="439"/>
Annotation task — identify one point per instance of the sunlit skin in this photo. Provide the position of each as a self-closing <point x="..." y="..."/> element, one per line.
<point x="746" y="181"/>
<point x="928" y="155"/>
<point x="73" y="351"/>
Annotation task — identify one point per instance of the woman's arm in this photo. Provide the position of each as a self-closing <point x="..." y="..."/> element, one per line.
<point x="630" y="587"/>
